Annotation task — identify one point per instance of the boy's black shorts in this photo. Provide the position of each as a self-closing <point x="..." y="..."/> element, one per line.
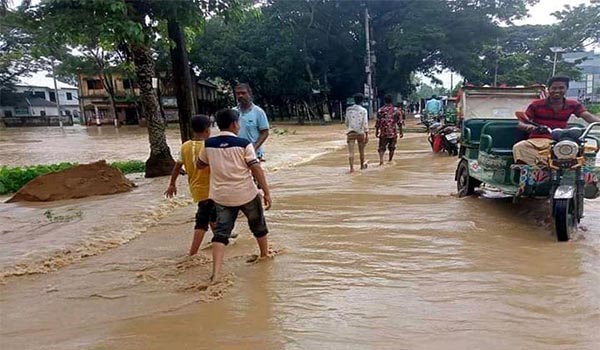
<point x="206" y="213"/>
<point x="226" y="217"/>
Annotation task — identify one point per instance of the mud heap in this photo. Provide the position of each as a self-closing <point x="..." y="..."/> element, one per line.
<point x="81" y="181"/>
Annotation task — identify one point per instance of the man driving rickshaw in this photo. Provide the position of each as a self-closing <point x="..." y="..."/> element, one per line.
<point x="550" y="113"/>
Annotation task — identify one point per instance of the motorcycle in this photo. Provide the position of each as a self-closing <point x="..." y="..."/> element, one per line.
<point x="571" y="159"/>
<point x="444" y="138"/>
<point x="428" y="119"/>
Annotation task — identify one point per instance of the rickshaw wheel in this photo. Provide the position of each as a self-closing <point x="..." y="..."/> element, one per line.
<point x="565" y="220"/>
<point x="465" y="184"/>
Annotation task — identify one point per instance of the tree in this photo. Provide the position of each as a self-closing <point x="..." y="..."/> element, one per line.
<point x="521" y="55"/>
<point x="327" y="39"/>
<point x="16" y="42"/>
<point x="292" y="52"/>
<point x="130" y="27"/>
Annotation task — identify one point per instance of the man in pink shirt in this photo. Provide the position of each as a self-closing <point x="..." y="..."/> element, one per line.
<point x="233" y="168"/>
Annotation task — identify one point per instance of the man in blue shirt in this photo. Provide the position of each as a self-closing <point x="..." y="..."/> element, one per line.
<point x="433" y="106"/>
<point x="254" y="125"/>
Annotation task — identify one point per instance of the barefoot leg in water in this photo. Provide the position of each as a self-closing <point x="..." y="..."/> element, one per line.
<point x="218" y="251"/>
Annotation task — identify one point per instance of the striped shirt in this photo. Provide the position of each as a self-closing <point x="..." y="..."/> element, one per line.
<point x="541" y="112"/>
<point x="230" y="158"/>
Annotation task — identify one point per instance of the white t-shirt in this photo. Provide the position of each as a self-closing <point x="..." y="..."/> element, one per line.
<point x="356" y="119"/>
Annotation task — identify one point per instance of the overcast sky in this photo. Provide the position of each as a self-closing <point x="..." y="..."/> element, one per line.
<point x="542" y="12"/>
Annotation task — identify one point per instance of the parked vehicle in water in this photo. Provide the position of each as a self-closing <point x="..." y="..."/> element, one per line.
<point x="444" y="138"/>
<point x="489" y="131"/>
<point x="450" y="111"/>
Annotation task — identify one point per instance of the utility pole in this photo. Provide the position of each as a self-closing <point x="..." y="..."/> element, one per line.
<point x="556" y="51"/>
<point x="496" y="69"/>
<point x="57" y="96"/>
<point x="369" y="67"/>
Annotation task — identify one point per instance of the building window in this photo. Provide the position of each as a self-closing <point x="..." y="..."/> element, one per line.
<point x="39" y="94"/>
<point x="590" y="84"/>
<point x="22" y="110"/>
<point x="52" y="96"/>
<point x="69" y="96"/>
<point x="94" y="84"/>
<point x="7" y="114"/>
<point x="128" y="84"/>
<point x="43" y="113"/>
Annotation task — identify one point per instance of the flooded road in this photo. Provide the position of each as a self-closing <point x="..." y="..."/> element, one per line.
<point x="388" y="258"/>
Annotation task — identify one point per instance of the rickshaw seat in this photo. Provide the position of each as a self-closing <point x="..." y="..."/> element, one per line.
<point x="472" y="130"/>
<point x="498" y="138"/>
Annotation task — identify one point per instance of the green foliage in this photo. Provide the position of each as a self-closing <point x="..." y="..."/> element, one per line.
<point x="16" y="43"/>
<point x="296" y="47"/>
<point x="594" y="108"/>
<point x="12" y="179"/>
<point x="130" y="166"/>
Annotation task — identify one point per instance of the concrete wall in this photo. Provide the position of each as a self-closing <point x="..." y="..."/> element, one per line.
<point x="50" y="111"/>
<point x="36" y="121"/>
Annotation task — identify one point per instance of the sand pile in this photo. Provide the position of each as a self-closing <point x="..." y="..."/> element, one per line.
<point x="84" y="180"/>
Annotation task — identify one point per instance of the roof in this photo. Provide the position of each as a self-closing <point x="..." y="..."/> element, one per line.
<point x="206" y="83"/>
<point x="40" y="102"/>
<point x="41" y="79"/>
<point x="509" y="88"/>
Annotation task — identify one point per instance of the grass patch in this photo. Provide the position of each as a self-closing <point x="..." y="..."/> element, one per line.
<point x="594" y="108"/>
<point x="12" y="179"/>
<point x="130" y="166"/>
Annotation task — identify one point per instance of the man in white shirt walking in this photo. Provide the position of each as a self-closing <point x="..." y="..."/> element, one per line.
<point x="357" y="124"/>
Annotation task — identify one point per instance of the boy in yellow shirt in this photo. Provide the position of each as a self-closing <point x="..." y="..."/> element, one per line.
<point x="198" y="179"/>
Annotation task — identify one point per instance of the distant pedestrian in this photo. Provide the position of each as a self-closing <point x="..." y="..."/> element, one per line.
<point x="357" y="124"/>
<point x="389" y="122"/>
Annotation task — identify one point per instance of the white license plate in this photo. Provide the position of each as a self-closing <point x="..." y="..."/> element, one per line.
<point x="452" y="136"/>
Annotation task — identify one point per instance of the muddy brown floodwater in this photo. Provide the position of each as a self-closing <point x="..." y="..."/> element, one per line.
<point x="388" y="258"/>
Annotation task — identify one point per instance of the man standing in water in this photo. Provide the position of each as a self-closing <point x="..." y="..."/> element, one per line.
<point x="389" y="121"/>
<point x="357" y="124"/>
<point x="233" y="164"/>
<point x="254" y="125"/>
<point x="554" y="113"/>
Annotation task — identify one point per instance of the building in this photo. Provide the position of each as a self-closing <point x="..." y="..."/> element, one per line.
<point x="587" y="88"/>
<point x="95" y="100"/>
<point x="41" y="86"/>
<point x="206" y="97"/>
<point x="96" y="105"/>
<point x="23" y="109"/>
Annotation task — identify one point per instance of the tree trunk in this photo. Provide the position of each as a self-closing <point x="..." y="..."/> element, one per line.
<point x="183" y="80"/>
<point x="107" y="81"/>
<point x="160" y="103"/>
<point x="160" y="162"/>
